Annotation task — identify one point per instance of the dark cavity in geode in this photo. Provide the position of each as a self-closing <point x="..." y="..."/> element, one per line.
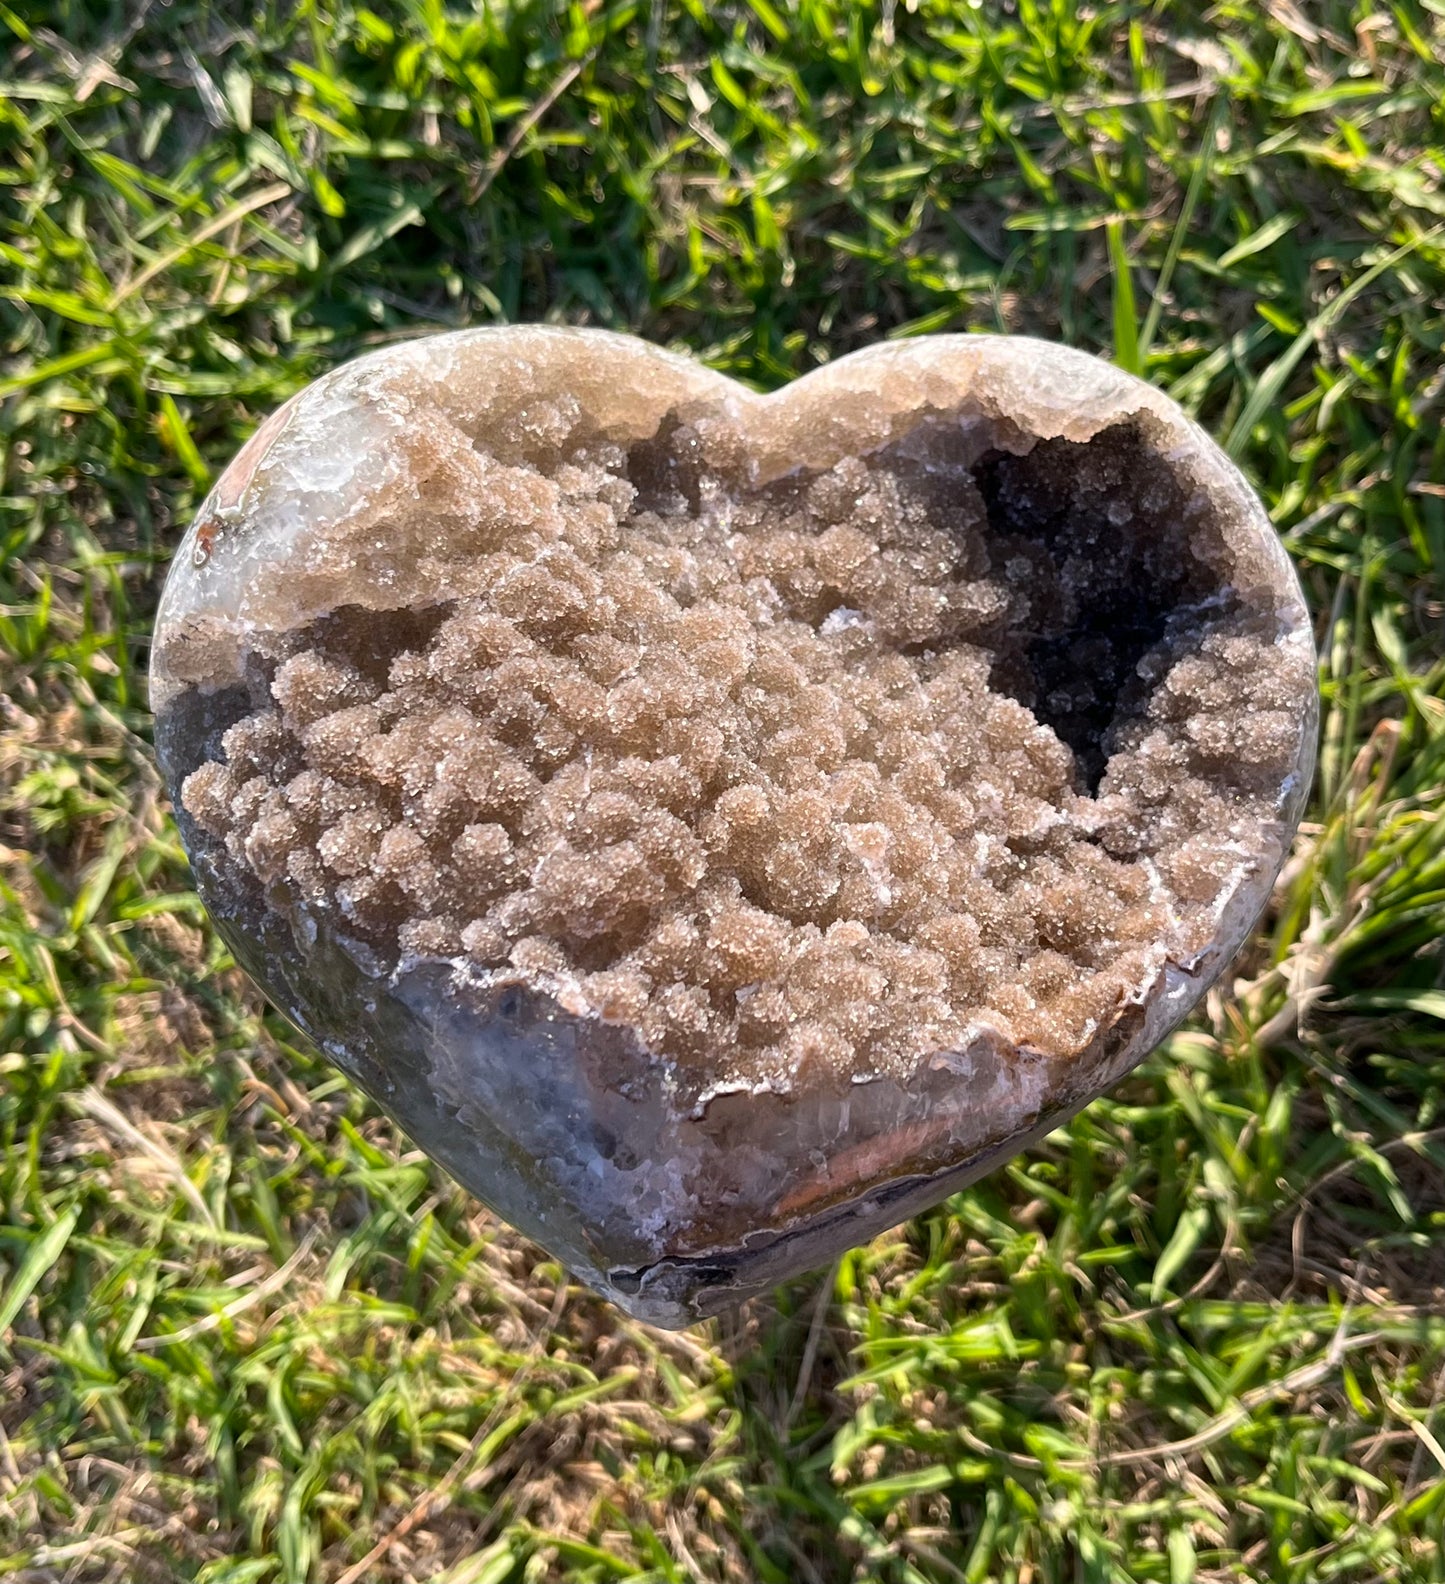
<point x="1106" y="522"/>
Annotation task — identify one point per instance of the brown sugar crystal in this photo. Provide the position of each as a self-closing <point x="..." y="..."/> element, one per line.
<point x="805" y="753"/>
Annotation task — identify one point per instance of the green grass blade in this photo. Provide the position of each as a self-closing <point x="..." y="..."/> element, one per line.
<point x="1126" y="318"/>
<point x="45" y="1249"/>
<point x="1271" y="384"/>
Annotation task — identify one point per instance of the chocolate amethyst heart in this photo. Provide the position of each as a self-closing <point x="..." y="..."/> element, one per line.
<point x="717" y="826"/>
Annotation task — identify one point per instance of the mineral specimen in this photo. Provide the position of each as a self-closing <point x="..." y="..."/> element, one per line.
<point x="717" y="826"/>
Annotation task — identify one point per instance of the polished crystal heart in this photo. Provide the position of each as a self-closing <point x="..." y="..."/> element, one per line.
<point x="717" y="826"/>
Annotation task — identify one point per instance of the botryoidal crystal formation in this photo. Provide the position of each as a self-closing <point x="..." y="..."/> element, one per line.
<point x="716" y="826"/>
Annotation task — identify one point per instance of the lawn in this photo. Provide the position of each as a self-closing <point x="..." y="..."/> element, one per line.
<point x="247" y="1333"/>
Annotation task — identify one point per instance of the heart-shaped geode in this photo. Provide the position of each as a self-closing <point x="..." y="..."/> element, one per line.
<point x="717" y="826"/>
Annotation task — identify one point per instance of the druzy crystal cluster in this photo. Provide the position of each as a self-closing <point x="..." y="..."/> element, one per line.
<point x="717" y="825"/>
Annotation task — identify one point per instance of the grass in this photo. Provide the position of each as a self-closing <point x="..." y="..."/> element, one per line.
<point x="246" y="1332"/>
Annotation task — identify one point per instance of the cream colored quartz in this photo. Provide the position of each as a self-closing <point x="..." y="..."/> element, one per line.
<point x="823" y="790"/>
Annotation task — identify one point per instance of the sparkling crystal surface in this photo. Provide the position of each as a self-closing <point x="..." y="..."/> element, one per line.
<point x="717" y="826"/>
